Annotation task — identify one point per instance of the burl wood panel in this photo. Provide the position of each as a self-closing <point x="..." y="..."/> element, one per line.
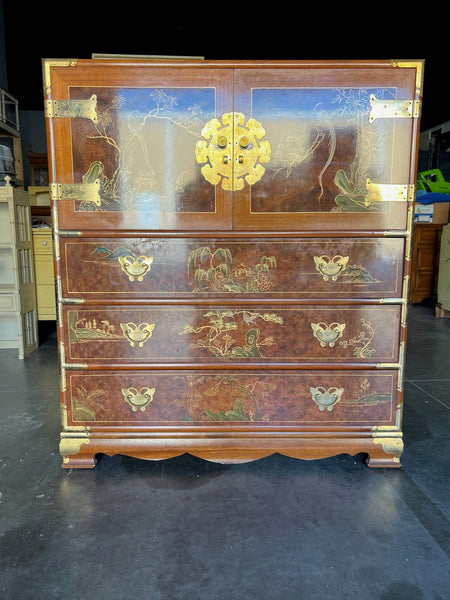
<point x="231" y="334"/>
<point x="141" y="147"/>
<point x="232" y="311"/>
<point x="230" y="399"/>
<point x="120" y="268"/>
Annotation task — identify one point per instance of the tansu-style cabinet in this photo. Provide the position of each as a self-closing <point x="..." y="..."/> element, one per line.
<point x="232" y="248"/>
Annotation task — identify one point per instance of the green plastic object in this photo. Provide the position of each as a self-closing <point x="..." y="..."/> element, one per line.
<point x="432" y="181"/>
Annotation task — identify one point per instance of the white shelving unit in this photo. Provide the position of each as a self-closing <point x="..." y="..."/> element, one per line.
<point x="10" y="129"/>
<point x="18" y="312"/>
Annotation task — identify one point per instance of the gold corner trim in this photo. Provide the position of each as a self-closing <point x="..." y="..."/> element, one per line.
<point x="404" y="315"/>
<point x="419" y="65"/>
<point x="77" y="429"/>
<point x="387" y="365"/>
<point x="399" y="415"/>
<point x="385" y="430"/>
<point x="56" y="252"/>
<point x="401" y="370"/>
<point x="54" y="211"/>
<point x="62" y="353"/>
<point x="399" y="366"/>
<point x="75" y="366"/>
<point x="59" y="311"/>
<point x="408" y="247"/>
<point x="72" y="445"/>
<point x="391" y="446"/>
<point x="391" y="301"/>
<point x="405" y="290"/>
<point x="70" y="233"/>
<point x="62" y="379"/>
<point x="63" y="414"/>
<point x="391" y="438"/>
<point x="72" y="301"/>
<point x="48" y="63"/>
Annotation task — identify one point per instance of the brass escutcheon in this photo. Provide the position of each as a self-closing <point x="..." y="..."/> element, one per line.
<point x="222" y="141"/>
<point x="137" y="334"/>
<point x="222" y="163"/>
<point x="327" y="334"/>
<point x="138" y="399"/>
<point x="134" y="267"/>
<point x="330" y="268"/>
<point x="326" y="399"/>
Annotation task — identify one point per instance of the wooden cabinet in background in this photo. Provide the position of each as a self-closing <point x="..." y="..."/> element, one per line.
<point x="45" y="275"/>
<point x="425" y="256"/>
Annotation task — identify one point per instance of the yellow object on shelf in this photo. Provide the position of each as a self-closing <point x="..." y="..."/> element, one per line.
<point x="45" y="275"/>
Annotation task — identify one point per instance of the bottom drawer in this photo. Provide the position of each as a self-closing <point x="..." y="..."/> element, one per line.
<point x="231" y="399"/>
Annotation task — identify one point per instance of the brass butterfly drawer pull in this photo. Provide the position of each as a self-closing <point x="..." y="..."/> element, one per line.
<point x="138" y="399"/>
<point x="330" y="267"/>
<point x="135" y="267"/>
<point x="137" y="334"/>
<point x="327" y="334"/>
<point x="326" y="399"/>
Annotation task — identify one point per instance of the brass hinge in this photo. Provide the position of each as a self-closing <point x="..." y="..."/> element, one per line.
<point x="72" y="109"/>
<point x="394" y="109"/>
<point x="83" y="192"/>
<point x="385" y="192"/>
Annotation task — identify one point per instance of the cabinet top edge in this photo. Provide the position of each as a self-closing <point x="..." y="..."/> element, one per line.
<point x="235" y="64"/>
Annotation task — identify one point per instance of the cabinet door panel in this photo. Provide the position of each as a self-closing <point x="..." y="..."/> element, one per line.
<point x="327" y="150"/>
<point x="231" y="334"/>
<point x="143" y="268"/>
<point x="134" y="162"/>
<point x="231" y="400"/>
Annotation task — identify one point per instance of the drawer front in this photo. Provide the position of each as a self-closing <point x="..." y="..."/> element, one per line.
<point x="188" y="268"/>
<point x="249" y="334"/>
<point x="185" y="399"/>
<point x="42" y="243"/>
<point x="46" y="297"/>
<point x="45" y="273"/>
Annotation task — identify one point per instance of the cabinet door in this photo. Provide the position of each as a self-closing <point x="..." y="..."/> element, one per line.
<point x="123" y="139"/>
<point x="342" y="146"/>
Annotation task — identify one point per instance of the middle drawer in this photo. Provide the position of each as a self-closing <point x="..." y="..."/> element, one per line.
<point x="110" y="335"/>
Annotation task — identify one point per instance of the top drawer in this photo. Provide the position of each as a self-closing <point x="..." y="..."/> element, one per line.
<point x="42" y="241"/>
<point x="144" y="268"/>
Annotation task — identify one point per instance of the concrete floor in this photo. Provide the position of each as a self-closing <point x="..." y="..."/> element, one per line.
<point x="275" y="529"/>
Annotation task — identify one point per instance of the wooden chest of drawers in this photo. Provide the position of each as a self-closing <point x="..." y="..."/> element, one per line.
<point x="232" y="251"/>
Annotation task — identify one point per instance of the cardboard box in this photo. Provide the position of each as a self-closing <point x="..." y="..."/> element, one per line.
<point x="431" y="213"/>
<point x="441" y="212"/>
